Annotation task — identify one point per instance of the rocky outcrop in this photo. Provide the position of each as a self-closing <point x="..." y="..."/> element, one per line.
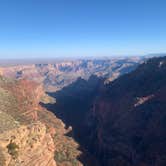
<point x="142" y="100"/>
<point x="35" y="146"/>
<point x="27" y="95"/>
<point x="30" y="135"/>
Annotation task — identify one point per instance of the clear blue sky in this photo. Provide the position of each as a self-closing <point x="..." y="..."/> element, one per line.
<point x="40" y="28"/>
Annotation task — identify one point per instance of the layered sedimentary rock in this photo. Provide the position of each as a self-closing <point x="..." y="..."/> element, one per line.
<point x="58" y="74"/>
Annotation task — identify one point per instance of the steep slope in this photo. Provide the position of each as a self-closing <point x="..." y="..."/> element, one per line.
<point x="29" y="134"/>
<point x="74" y="101"/>
<point x="130" y="118"/>
<point x="23" y="139"/>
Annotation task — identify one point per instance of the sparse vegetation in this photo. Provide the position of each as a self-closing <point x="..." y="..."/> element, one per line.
<point x="7" y="122"/>
<point x="16" y="103"/>
<point x="66" y="150"/>
<point x="13" y="149"/>
<point x="61" y="157"/>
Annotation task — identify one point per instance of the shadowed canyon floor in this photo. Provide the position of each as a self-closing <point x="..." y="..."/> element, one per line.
<point x="72" y="107"/>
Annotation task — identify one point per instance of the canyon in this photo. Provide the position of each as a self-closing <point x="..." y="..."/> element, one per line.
<point x="84" y="112"/>
<point x="122" y="123"/>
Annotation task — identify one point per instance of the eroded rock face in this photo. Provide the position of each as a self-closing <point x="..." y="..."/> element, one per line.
<point x="35" y="146"/>
<point x="56" y="75"/>
<point x="27" y="95"/>
<point x="29" y="134"/>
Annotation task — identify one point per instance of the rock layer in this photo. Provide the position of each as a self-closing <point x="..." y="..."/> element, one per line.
<point x="58" y="74"/>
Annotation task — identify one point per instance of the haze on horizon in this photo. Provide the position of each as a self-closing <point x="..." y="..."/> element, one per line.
<point x="71" y="28"/>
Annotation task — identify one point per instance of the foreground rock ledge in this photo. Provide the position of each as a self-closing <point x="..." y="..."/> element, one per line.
<point x="35" y="146"/>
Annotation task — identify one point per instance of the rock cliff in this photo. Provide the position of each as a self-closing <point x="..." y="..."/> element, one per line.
<point x="29" y="134"/>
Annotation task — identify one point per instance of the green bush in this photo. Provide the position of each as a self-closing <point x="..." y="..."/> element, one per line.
<point x="13" y="149"/>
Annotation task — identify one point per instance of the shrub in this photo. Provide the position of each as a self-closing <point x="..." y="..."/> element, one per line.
<point x="13" y="149"/>
<point x="63" y="157"/>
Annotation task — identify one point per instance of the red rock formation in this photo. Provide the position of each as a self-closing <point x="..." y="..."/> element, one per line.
<point x="28" y="94"/>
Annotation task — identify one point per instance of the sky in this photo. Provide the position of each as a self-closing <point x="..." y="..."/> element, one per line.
<point x="81" y="28"/>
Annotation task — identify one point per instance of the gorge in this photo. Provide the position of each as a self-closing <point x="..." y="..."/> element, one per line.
<point x="114" y="117"/>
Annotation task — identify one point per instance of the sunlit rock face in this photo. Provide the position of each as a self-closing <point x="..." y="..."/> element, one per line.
<point x="35" y="146"/>
<point x="30" y="134"/>
<point x="24" y="139"/>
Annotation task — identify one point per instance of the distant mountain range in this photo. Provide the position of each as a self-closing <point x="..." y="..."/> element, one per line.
<point x="58" y="74"/>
